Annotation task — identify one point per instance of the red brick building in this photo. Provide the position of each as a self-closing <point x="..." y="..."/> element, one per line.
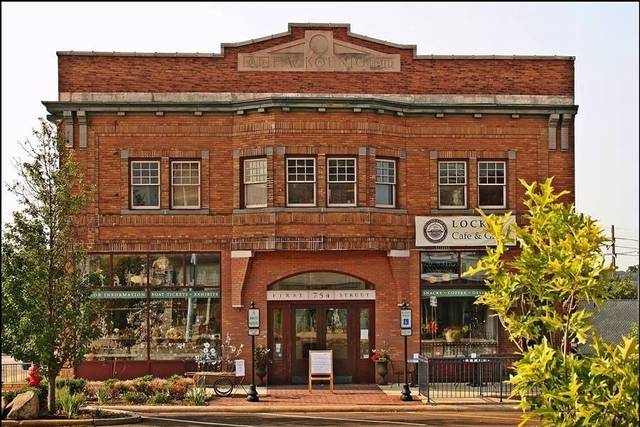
<point x="325" y="175"/>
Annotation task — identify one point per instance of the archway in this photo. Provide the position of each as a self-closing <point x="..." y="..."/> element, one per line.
<point x="321" y="310"/>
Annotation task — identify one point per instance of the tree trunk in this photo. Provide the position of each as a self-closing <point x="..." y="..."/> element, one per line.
<point x="51" y="394"/>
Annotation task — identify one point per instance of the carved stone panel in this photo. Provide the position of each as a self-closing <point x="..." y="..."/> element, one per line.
<point x="318" y="51"/>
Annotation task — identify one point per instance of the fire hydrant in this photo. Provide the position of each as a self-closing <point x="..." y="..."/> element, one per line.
<point x="33" y="377"/>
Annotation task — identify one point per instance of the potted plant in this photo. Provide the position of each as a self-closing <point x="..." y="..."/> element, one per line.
<point x="262" y="359"/>
<point x="455" y="333"/>
<point x="381" y="357"/>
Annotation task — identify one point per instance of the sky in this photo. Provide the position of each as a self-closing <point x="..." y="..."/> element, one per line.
<point x="602" y="37"/>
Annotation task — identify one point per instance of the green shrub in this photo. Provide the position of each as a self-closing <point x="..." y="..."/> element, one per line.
<point x="103" y="395"/>
<point x="179" y="388"/>
<point x="134" y="397"/>
<point x="147" y="378"/>
<point x="75" y="385"/>
<point x="120" y="388"/>
<point x="157" y="385"/>
<point x="142" y="386"/>
<point x="197" y="396"/>
<point x="110" y="382"/>
<point x="68" y="402"/>
<point x="160" y="397"/>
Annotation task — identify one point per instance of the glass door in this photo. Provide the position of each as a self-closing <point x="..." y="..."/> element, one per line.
<point x="337" y="339"/>
<point x="305" y="322"/>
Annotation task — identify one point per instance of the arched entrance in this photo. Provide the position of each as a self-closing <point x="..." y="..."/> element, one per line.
<point x="321" y="311"/>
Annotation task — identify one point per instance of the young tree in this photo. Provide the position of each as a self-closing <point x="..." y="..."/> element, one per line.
<point x="536" y="297"/>
<point x="48" y="317"/>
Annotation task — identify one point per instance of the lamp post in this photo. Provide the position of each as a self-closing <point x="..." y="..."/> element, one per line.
<point x="405" y="331"/>
<point x="253" y="323"/>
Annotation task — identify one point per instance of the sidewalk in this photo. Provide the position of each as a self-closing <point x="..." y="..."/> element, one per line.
<point x="345" y="398"/>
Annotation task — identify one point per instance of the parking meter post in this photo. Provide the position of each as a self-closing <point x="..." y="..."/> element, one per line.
<point x="252" y="395"/>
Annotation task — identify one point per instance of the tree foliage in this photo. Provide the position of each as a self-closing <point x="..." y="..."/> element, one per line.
<point x="48" y="317"/>
<point x="622" y="286"/>
<point x="536" y="297"/>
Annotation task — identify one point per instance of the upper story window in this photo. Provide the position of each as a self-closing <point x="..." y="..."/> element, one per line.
<point x="491" y="185"/>
<point x="386" y="183"/>
<point x="301" y="181"/>
<point x="341" y="182"/>
<point x="145" y="184"/>
<point x="452" y="188"/>
<point x="185" y="184"/>
<point x="255" y="183"/>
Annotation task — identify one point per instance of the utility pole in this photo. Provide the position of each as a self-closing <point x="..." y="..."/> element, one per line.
<point x="613" y="243"/>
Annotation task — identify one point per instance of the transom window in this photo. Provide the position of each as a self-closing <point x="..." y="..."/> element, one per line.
<point x="145" y="184"/>
<point x="452" y="188"/>
<point x="491" y="184"/>
<point x="185" y="184"/>
<point x="301" y="181"/>
<point x="385" y="183"/>
<point x="341" y="182"/>
<point x="255" y="183"/>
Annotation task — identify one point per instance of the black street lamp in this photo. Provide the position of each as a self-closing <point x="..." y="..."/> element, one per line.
<point x="253" y="323"/>
<point x="405" y="331"/>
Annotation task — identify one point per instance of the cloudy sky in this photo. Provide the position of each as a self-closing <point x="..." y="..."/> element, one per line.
<point x="603" y="37"/>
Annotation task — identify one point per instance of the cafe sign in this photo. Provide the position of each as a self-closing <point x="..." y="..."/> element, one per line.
<point x="456" y="231"/>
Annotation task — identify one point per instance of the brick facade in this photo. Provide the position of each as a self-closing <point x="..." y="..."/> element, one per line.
<point x="277" y="241"/>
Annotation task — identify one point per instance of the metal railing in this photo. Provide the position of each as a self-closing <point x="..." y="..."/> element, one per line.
<point x="14" y="373"/>
<point x="459" y="377"/>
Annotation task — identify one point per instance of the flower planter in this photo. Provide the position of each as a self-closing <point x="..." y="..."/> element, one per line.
<point x="383" y="369"/>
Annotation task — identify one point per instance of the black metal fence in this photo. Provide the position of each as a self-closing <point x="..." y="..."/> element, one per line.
<point x="459" y="377"/>
<point x="14" y="373"/>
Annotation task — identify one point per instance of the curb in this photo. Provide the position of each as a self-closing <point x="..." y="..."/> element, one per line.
<point x="128" y="418"/>
<point x="142" y="410"/>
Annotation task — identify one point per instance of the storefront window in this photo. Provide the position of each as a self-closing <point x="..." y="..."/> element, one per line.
<point x="121" y="337"/>
<point x="130" y="270"/>
<point x="178" y="318"/>
<point x="182" y="324"/>
<point x="455" y="326"/>
<point x="167" y="270"/>
<point x="203" y="270"/>
<point x="99" y="269"/>
<point x="442" y="267"/>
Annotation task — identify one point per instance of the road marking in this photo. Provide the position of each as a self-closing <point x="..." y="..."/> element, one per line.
<point x="192" y="422"/>
<point x="402" y="423"/>
<point x="477" y="416"/>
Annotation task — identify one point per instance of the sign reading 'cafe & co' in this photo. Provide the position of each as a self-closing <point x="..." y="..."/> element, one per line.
<point x="455" y="231"/>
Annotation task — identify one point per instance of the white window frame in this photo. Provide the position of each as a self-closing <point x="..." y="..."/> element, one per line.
<point x="392" y="184"/>
<point x="440" y="205"/>
<point x="355" y="182"/>
<point x="132" y="185"/>
<point x="315" y="172"/>
<point x="246" y="183"/>
<point x="199" y="184"/>
<point x="504" y="185"/>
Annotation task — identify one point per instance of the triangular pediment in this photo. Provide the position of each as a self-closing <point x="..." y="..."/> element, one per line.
<point x="319" y="51"/>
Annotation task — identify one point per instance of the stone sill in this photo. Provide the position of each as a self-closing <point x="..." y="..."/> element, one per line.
<point x="321" y="210"/>
<point x="164" y="212"/>
<point x="471" y="211"/>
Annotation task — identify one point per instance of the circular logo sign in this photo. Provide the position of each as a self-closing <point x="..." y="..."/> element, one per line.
<point x="435" y="230"/>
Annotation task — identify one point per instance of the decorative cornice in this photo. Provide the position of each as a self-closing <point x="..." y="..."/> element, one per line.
<point x="237" y="103"/>
<point x="411" y="47"/>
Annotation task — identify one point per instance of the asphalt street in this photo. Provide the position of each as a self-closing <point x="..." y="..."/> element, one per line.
<point x="353" y="419"/>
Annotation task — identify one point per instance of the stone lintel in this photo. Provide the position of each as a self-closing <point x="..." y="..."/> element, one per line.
<point x="241" y="254"/>
<point x="395" y="253"/>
